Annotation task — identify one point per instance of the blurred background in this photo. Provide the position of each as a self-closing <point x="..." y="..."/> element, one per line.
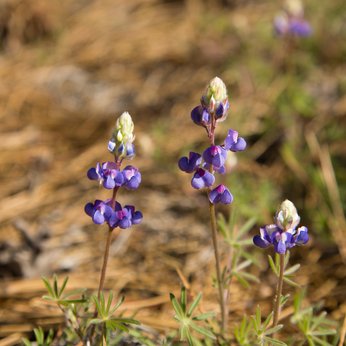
<point x="68" y="69"/>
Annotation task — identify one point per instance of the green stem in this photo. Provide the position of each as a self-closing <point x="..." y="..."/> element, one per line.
<point x="217" y="264"/>
<point x="279" y="291"/>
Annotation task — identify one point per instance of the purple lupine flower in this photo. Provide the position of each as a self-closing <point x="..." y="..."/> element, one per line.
<point x="126" y="217"/>
<point x="215" y="156"/>
<point x="283" y="234"/>
<point x="233" y="142"/>
<point x="202" y="179"/>
<point x="190" y="164"/>
<point x="301" y="237"/>
<point x="108" y="175"/>
<point x="132" y="177"/>
<point x="291" y="21"/>
<point x="299" y="27"/>
<point x="99" y="211"/>
<point x="220" y="194"/>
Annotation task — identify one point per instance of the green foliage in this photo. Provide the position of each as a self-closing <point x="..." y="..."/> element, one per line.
<point x="315" y="328"/>
<point x="240" y="258"/>
<point x="105" y="313"/>
<point x="40" y="338"/>
<point x="264" y="333"/>
<point x="57" y="295"/>
<point x="288" y="272"/>
<point x="188" y="321"/>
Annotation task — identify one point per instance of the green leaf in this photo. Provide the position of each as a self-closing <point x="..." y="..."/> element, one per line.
<point x="246" y="227"/>
<point x="272" y="265"/>
<point x="109" y="302"/>
<point x="292" y="270"/>
<point x="62" y="288"/>
<point x="194" y="304"/>
<point x="275" y="342"/>
<point x="126" y="320"/>
<point x="267" y="320"/>
<point x="243" y="265"/>
<point x="26" y="342"/>
<point x="55" y="283"/>
<point x="290" y="282"/>
<point x="241" y="280"/>
<point x="204" y="316"/>
<point x="176" y="306"/>
<point x="202" y="331"/>
<point x="183" y="299"/>
<point x="323" y="332"/>
<point x="48" y="286"/>
<point x="273" y="330"/>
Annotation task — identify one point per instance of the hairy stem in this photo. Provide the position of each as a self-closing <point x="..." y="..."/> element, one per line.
<point x="217" y="264"/>
<point x="276" y="308"/>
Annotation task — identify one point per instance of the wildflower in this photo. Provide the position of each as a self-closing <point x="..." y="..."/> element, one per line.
<point x="233" y="142"/>
<point x="107" y="174"/>
<point x="220" y="194"/>
<point x="291" y="21"/>
<point x="215" y="156"/>
<point x="99" y="211"/>
<point x="202" y="178"/>
<point x="132" y="177"/>
<point x="283" y="234"/>
<point x="125" y="217"/>
<point x="191" y="163"/>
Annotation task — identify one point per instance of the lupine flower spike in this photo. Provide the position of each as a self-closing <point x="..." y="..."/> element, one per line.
<point x="110" y="175"/>
<point x="283" y="235"/>
<point x="291" y="21"/>
<point x="213" y="109"/>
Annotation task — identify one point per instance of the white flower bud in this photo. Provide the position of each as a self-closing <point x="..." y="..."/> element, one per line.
<point x="287" y="217"/>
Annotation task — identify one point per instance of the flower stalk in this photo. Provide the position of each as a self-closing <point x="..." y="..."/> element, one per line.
<point x="212" y="110"/>
<point x="218" y="267"/>
<point x="277" y="298"/>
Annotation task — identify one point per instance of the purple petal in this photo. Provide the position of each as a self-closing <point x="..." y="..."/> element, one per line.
<point x="137" y="217"/>
<point x="220" y="194"/>
<point x="215" y="156"/>
<point x="119" y="179"/>
<point x="111" y="146"/>
<point x="202" y="178"/>
<point x="92" y="174"/>
<point x="280" y="247"/>
<point x="98" y="217"/>
<point x="226" y="197"/>
<point x="302" y="236"/>
<point x="200" y="116"/>
<point x="89" y="209"/>
<point x="109" y="182"/>
<point x="190" y="164"/>
<point x="260" y="242"/>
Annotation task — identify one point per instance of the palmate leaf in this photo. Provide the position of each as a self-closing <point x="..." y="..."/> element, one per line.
<point x="184" y="315"/>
